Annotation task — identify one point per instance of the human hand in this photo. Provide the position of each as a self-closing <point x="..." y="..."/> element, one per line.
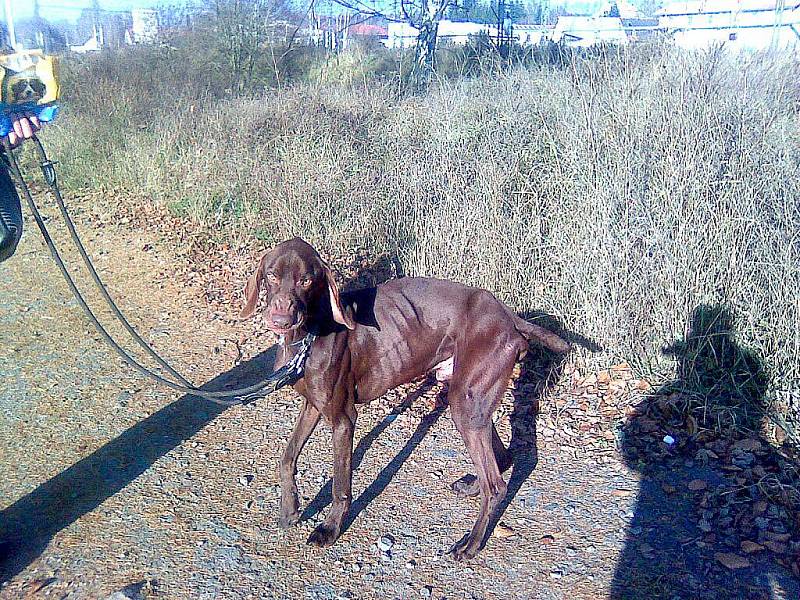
<point x="23" y="127"/>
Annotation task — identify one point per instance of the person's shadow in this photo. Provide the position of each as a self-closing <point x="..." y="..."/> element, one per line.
<point x="710" y="520"/>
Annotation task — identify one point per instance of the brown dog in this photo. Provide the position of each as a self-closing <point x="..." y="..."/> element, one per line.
<point x="374" y="339"/>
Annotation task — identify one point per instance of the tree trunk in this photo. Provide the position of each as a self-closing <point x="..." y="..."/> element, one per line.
<point x="426" y="49"/>
<point x="425" y="56"/>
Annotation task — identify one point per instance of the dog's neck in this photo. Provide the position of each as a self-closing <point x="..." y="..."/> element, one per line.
<point x="319" y="322"/>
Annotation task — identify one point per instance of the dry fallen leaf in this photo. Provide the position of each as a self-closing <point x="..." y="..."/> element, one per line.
<point x="503" y="531"/>
<point x="731" y="560"/>
<point x="547" y="539"/>
<point x="751" y="547"/>
<point x="776" y="547"/>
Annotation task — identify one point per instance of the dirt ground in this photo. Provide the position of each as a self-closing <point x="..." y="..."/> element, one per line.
<point x="111" y="483"/>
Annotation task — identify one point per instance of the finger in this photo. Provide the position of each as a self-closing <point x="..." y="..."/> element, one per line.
<point x="37" y="125"/>
<point x="12" y="138"/>
<point x="27" y="131"/>
<point x="17" y="128"/>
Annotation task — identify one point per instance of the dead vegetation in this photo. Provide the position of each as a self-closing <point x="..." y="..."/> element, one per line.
<point x="619" y="191"/>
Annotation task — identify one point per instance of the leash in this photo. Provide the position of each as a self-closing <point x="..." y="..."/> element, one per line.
<point x="289" y="373"/>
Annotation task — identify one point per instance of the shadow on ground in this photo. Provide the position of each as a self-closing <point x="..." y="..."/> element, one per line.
<point x="717" y="510"/>
<point x="28" y="525"/>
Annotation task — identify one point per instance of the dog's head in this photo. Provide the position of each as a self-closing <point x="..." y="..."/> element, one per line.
<point x="299" y="285"/>
<point x="27" y="90"/>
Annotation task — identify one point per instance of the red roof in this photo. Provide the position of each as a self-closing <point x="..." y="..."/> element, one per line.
<point x="368" y="29"/>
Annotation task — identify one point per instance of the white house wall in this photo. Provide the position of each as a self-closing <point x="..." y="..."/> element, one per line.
<point x="752" y="24"/>
<point x="403" y="35"/>
<point x="582" y="32"/>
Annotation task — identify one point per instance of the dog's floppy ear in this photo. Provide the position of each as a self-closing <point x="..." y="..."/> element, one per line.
<point x="339" y="315"/>
<point x="252" y="289"/>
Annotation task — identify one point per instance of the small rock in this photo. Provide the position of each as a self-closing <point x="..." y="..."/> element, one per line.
<point x="134" y="591"/>
<point x="669" y="440"/>
<point x="668" y="488"/>
<point x="697" y="484"/>
<point x="426" y="591"/>
<point x="411" y="564"/>
<point x="556" y="574"/>
<point x="246" y="480"/>
<point x="385" y="543"/>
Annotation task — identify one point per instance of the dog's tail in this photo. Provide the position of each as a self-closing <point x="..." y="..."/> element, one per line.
<point x="535" y="333"/>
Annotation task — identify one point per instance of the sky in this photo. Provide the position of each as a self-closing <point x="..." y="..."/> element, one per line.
<point x="57" y="10"/>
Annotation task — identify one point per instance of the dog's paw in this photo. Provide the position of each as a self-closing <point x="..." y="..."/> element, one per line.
<point x="464" y="549"/>
<point x="466" y="486"/>
<point x="287" y="520"/>
<point x="324" y="535"/>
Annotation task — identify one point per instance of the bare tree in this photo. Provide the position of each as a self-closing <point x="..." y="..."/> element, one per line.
<point x="242" y="27"/>
<point x="422" y="15"/>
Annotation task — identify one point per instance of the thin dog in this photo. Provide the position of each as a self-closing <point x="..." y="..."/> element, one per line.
<point x="374" y="339"/>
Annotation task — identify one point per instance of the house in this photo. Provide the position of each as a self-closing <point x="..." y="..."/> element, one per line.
<point x="144" y="26"/>
<point x="742" y="24"/>
<point x="530" y="35"/>
<point x="582" y="32"/>
<point x="403" y="35"/>
<point x="91" y="45"/>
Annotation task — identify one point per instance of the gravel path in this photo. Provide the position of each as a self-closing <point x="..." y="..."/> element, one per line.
<point x="109" y="481"/>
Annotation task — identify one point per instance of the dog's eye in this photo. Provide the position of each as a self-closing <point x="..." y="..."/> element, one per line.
<point x="305" y="281"/>
<point x="272" y="277"/>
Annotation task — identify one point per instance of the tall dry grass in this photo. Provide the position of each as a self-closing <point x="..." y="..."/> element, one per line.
<point x="619" y="192"/>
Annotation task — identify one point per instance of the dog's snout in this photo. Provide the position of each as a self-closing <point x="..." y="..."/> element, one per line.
<point x="282" y="320"/>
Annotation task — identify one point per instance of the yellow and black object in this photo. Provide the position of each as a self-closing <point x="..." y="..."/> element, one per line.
<point x="28" y="84"/>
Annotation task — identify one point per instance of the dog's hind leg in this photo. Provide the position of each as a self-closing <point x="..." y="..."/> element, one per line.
<point x="468" y="484"/>
<point x="479" y="381"/>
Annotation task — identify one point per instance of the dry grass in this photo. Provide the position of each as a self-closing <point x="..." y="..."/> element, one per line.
<point x="619" y="192"/>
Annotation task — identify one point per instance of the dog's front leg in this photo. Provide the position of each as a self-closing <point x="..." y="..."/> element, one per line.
<point x="343" y="424"/>
<point x="287" y="470"/>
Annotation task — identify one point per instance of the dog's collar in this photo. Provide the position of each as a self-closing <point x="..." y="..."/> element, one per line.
<point x="288" y="373"/>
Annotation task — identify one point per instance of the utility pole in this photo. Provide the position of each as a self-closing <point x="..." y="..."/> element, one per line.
<point x="12" y="36"/>
<point x="37" y="22"/>
<point x="98" y="27"/>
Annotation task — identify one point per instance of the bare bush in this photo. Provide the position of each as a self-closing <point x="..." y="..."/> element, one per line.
<point x="618" y="192"/>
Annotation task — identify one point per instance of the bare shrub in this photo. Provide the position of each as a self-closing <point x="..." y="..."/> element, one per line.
<point x="617" y="191"/>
